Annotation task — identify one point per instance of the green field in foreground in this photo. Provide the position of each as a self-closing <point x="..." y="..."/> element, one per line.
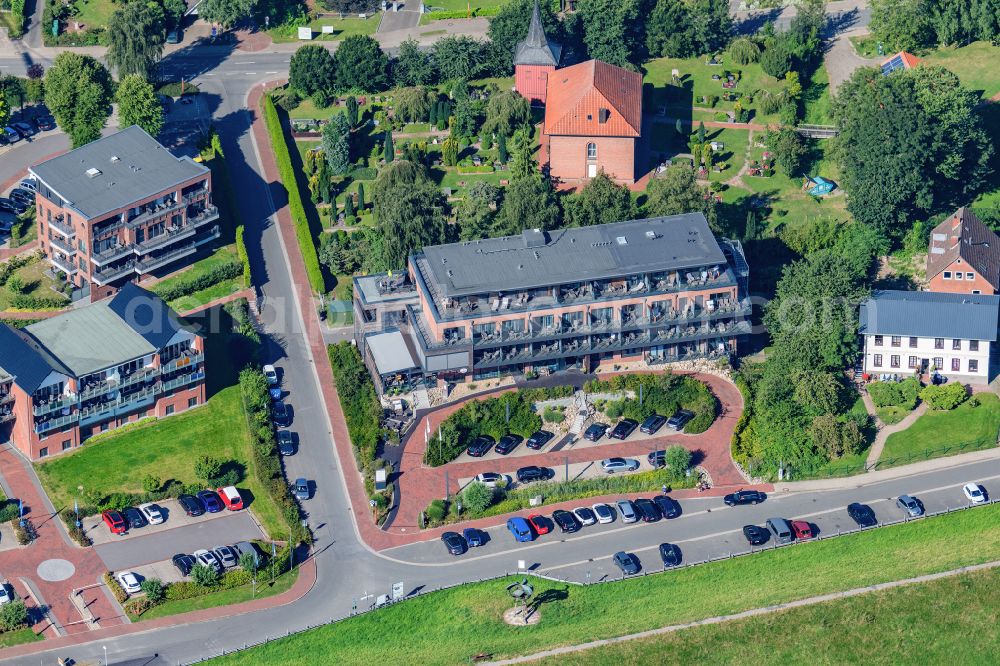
<point x="926" y="623"/>
<point x="9" y="638"/>
<point x="449" y="627"/>
<point x="931" y="434"/>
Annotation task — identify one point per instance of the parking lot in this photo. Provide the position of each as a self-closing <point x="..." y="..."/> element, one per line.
<point x="174" y="516"/>
<point x="565" y="472"/>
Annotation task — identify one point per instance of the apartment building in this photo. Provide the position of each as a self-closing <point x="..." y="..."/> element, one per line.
<point x="907" y="333"/>
<point x="120" y="208"/>
<point x="95" y="368"/>
<point x="661" y="289"/>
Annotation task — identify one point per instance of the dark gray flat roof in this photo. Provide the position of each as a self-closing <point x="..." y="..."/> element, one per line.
<point x="143" y="168"/>
<point x="532" y="260"/>
<point x="926" y="314"/>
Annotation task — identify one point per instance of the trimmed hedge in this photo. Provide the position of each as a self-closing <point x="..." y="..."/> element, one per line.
<point x="241" y="253"/>
<point x="461" y="14"/>
<point x="362" y="410"/>
<point x="288" y="177"/>
<point x="116" y="589"/>
<point x="222" y="272"/>
<point x="29" y="302"/>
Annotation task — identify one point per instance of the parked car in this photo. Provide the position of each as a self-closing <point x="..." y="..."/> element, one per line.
<point x="12" y="206"/>
<point x="480" y="446"/>
<point x="491" y="479"/>
<point x="612" y="465"/>
<point x="29" y="184"/>
<point x="679" y="420"/>
<point x="802" y="529"/>
<point x="780" y="529"/>
<point x="507" y="444"/>
<point x="670" y="554"/>
<point x="174" y="36"/>
<point x="301" y="489"/>
<point x="5" y="596"/>
<point x="271" y="375"/>
<point x="910" y="505"/>
<point x="521" y="529"/>
<point x="129" y="581"/>
<point x="862" y="514"/>
<point x="627" y="562"/>
<point x="286" y="443"/>
<point x="192" y="505"/>
<point x="605" y="514"/>
<point x="454" y="542"/>
<point x="538" y="439"/>
<point x="247" y="548"/>
<point x="207" y="558"/>
<point x="623" y="429"/>
<point x="11" y="135"/>
<point x="282" y="414"/>
<point x="473" y="537"/>
<point x="974" y="493"/>
<point x="134" y="518"/>
<point x="627" y="511"/>
<point x="668" y="506"/>
<point x="657" y="459"/>
<point x="534" y="473"/>
<point x="539" y="523"/>
<point x="24" y="129"/>
<point x="646" y="508"/>
<point x="27" y="197"/>
<point x="46" y="123"/>
<point x="585" y="515"/>
<point x="210" y="500"/>
<point x="566" y="521"/>
<point x="744" y="497"/>
<point x="228" y="556"/>
<point x="152" y="513"/>
<point x="652" y="424"/>
<point x="756" y="534"/>
<point x="184" y="563"/>
<point x="231" y="498"/>
<point x="115" y="521"/>
<point x="595" y="431"/>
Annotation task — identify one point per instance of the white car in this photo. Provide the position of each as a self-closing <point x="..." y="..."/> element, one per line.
<point x="604" y="513"/>
<point x="5" y="596"/>
<point x="491" y="479"/>
<point x="585" y="516"/>
<point x="207" y="558"/>
<point x="152" y="512"/>
<point x="129" y="581"/>
<point x="974" y="493"/>
<point x="627" y="509"/>
<point x="612" y="465"/>
<point x="271" y="374"/>
<point x="29" y="184"/>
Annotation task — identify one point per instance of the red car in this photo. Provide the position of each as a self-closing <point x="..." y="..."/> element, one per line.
<point x="231" y="498"/>
<point x="115" y="521"/>
<point x="802" y="529"/>
<point x="539" y="523"/>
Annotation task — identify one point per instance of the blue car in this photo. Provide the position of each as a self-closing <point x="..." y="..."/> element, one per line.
<point x="211" y="501"/>
<point x="521" y="529"/>
<point x="473" y="537"/>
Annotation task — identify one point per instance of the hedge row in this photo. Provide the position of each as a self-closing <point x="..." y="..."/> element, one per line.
<point x="222" y="272"/>
<point x="288" y="177"/>
<point x="362" y="410"/>
<point x="461" y="14"/>
<point x="29" y="302"/>
<point x="241" y="254"/>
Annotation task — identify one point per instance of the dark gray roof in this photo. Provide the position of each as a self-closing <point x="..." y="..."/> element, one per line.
<point x="146" y="314"/>
<point x="928" y="314"/>
<point x="572" y="255"/>
<point x="537" y="49"/>
<point x="22" y="360"/>
<point x="143" y="168"/>
<point x="964" y="236"/>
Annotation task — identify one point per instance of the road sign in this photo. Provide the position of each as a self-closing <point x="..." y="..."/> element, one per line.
<point x="520" y="565"/>
<point x="397" y="590"/>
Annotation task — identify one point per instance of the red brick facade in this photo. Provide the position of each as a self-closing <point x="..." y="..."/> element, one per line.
<point x="530" y="81"/>
<point x="971" y="281"/>
<point x="569" y="157"/>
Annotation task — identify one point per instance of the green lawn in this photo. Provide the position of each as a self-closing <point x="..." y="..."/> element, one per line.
<point x="816" y="99"/>
<point x="9" y="638"/>
<point x="342" y="29"/>
<point x="940" y="433"/>
<point x="866" y="46"/>
<point x="36" y="284"/>
<point x="926" y="623"/>
<point x="223" y="255"/>
<point x="891" y="415"/>
<point x="94" y="13"/>
<point x="224" y="597"/>
<point x="449" y="627"/>
<point x="975" y="65"/>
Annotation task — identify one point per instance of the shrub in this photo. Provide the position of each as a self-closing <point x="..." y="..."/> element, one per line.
<point x="678" y="459"/>
<point x="615" y="409"/>
<point x="236" y="578"/>
<point x="8" y="510"/>
<point x="120" y="594"/>
<point x="204" y="576"/>
<point x="477" y="497"/>
<point x="154" y="590"/>
<point x="484" y="417"/>
<point x="138" y="606"/>
<point x="151" y="483"/>
<point x="13" y="616"/>
<point x="362" y="410"/>
<point x="241" y="253"/>
<point x="436" y="510"/>
<point x="221" y="273"/>
<point x="25" y="533"/>
<point x="15" y="263"/>
<point x="944" y="396"/>
<point x="207" y="467"/>
<point x="553" y="415"/>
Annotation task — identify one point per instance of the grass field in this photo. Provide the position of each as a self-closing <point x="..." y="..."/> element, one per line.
<point x="449" y="627"/>
<point x="223" y="597"/>
<point x="342" y="29"/>
<point x="36" y="284"/>
<point x="9" y="638"/>
<point x="816" y="99"/>
<point x="94" y="13"/>
<point x="975" y="427"/>
<point x="924" y="623"/>
<point x="975" y="65"/>
<point x="892" y="414"/>
<point x="865" y="46"/>
<point x="220" y="256"/>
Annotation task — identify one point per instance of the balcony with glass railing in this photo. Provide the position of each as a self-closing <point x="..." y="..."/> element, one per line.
<point x="187" y="360"/>
<point x="110" y="254"/>
<point x="111" y="273"/>
<point x="59" y="422"/>
<point x="182" y="380"/>
<point x="58" y="223"/>
<point x="65" y="246"/>
<point x="63" y="263"/>
<point x="47" y="406"/>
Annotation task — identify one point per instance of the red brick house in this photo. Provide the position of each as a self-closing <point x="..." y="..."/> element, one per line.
<point x="964" y="256"/>
<point x="593" y="121"/>
<point x="534" y="60"/>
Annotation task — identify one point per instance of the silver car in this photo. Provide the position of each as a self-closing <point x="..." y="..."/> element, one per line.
<point x="910" y="505"/>
<point x="612" y="465"/>
<point x="627" y="511"/>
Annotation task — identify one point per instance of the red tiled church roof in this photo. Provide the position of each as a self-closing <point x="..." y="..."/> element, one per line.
<point x="576" y="95"/>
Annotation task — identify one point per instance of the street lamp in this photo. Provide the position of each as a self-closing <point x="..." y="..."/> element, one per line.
<point x="105" y="654"/>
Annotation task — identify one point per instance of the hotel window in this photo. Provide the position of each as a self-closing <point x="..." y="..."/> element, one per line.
<point x="939" y="363"/>
<point x="973" y="345"/>
<point x="878" y="340"/>
<point x="973" y="365"/>
<point x="877" y="362"/>
<point x="897" y="341"/>
<point x="911" y="362"/>
<point x="958" y="275"/>
<point x="970" y="276"/>
<point x="67" y="443"/>
<point x="956" y="345"/>
<point x="894" y="361"/>
<point x="913" y="342"/>
<point x="938" y="343"/>
<point x="947" y="275"/>
<point x="956" y="364"/>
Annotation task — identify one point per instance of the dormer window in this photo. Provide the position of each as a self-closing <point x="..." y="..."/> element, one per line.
<point x="603" y="115"/>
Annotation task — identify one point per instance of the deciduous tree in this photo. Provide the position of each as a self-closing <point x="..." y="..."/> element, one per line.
<point x="78" y="91"/>
<point x="337" y="144"/>
<point x="136" y="35"/>
<point x="226" y="13"/>
<point x="600" y="202"/>
<point x="362" y="65"/>
<point x="412" y="66"/>
<point x="529" y="203"/>
<point x="138" y="105"/>
<point x="312" y="68"/>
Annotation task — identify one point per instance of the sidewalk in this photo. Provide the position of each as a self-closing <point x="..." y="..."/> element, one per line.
<point x="885" y="430"/>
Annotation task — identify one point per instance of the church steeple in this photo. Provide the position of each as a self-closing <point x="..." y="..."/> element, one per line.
<point x="536" y="49"/>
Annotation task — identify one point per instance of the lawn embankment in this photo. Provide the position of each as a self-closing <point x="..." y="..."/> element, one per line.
<point x="971" y="426"/>
<point x="26" y="635"/>
<point x="449" y="627"/>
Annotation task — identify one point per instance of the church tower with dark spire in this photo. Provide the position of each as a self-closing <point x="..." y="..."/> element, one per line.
<point x="534" y="59"/>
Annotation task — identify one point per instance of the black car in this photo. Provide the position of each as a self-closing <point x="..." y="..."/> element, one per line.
<point x="756" y="534"/>
<point x="282" y="414"/>
<point x="862" y="514"/>
<point x="538" y="439"/>
<point x="184" y="563"/>
<point x="652" y="424"/>
<point x="670" y="554"/>
<point x="627" y="562"/>
<point x="668" y="506"/>
<point x="45" y="123"/>
<point x="596" y="431"/>
<point x="624" y="428"/>
<point x="480" y="446"/>
<point x="534" y="473"/>
<point x="286" y="443"/>
<point x="26" y="197"/>
<point x="507" y="444"/>
<point x="454" y="542"/>
<point x="648" y="512"/>
<point x="134" y="518"/>
<point x="657" y="459"/>
<point x="744" y="497"/>
<point x="192" y="505"/>
<point x="566" y="521"/>
<point x="679" y="420"/>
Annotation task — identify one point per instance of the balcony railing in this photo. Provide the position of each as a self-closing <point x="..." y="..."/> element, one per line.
<point x="112" y="272"/>
<point x="146" y="265"/>
<point x="50" y="406"/>
<point x="63" y="263"/>
<point x="183" y="380"/>
<point x="182" y="362"/>
<point x="65" y="246"/>
<point x="62" y="227"/>
<point x="165" y="209"/>
<point x="52" y="424"/>
<point x="7" y="416"/>
<point x="107" y="256"/>
<point x="6" y="397"/>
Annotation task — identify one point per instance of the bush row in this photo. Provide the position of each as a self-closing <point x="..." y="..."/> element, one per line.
<point x="288" y="176"/>
<point x="662" y="394"/>
<point x="463" y="13"/>
<point x="362" y="410"/>
<point x="29" y="302"/>
<point x="511" y="412"/>
<point x="222" y="272"/>
<point x="24" y="229"/>
<point x="241" y="253"/>
<point x="895" y="394"/>
<point x="116" y="589"/>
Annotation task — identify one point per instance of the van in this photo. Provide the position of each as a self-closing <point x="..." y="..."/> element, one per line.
<point x="781" y="530"/>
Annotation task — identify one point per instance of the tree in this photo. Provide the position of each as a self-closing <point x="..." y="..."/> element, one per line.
<point x="351" y="110"/>
<point x="449" y="151"/>
<point x="464" y="124"/>
<point x="348" y="206"/>
<point x="684" y="28"/>
<point x="458" y="58"/>
<point x="612" y="30"/>
<point x="361" y="197"/>
<point x="154" y="590"/>
<point x="412" y="104"/>
<point x="505" y="112"/>
<point x="16" y="285"/>
<point x="312" y="68"/>
<point x="776" y="61"/>
<point x="207" y="467"/>
<point x="412" y="67"/>
<point x="136" y="35"/>
<point x="902" y="25"/>
<point x="362" y="64"/>
<point x="744" y="51"/>
<point x="529" y="203"/>
<point x="248" y="562"/>
<point x="337" y="144"/>
<point x="407" y="209"/>
<point x="789" y="150"/>
<point x="835" y="438"/>
<point x="523" y="164"/>
<point x="701" y="132"/>
<point x="677" y="459"/>
<point x="600" y="202"/>
<point x="204" y="576"/>
<point x="138" y="105"/>
<point x="35" y="71"/>
<point x="502" y="149"/>
<point x="151" y="483"/>
<point x="13" y="615"/>
<point x="388" y="152"/>
<point x="510" y="26"/>
<point x="477" y="497"/>
<point x="676" y="191"/>
<point x="78" y="91"/>
<point x="226" y="13"/>
<point x="476" y="213"/>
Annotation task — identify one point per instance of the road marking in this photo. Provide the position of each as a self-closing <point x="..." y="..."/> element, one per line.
<point x="270" y="72"/>
<point x="250" y="73"/>
<point x="246" y="62"/>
